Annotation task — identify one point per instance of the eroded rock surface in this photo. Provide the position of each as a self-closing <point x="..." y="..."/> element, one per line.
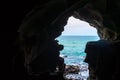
<point x="101" y="57"/>
<point x="32" y="26"/>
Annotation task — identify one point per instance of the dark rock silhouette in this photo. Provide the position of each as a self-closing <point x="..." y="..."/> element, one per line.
<point x="30" y="27"/>
<point x="101" y="57"/>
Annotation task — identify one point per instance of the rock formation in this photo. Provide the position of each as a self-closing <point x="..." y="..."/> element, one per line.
<point x="101" y="57"/>
<point x="32" y="26"/>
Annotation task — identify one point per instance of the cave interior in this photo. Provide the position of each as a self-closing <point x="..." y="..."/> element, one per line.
<point x="32" y="27"/>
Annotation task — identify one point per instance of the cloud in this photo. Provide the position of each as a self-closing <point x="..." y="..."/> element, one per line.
<point x="78" y="27"/>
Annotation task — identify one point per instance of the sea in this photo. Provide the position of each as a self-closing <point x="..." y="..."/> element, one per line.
<point x="73" y="52"/>
<point x="74" y="47"/>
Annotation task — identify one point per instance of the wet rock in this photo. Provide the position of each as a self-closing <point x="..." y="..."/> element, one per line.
<point x="76" y="72"/>
<point x="72" y="69"/>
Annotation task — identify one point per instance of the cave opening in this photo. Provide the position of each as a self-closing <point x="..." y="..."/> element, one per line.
<point x="74" y="38"/>
<point x="39" y="53"/>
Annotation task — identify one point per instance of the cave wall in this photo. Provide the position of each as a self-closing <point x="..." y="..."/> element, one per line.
<point x="101" y="18"/>
<point x="35" y="24"/>
<point x="102" y="57"/>
<point x="37" y="34"/>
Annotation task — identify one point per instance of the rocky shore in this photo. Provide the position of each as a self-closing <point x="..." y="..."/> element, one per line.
<point x="76" y="72"/>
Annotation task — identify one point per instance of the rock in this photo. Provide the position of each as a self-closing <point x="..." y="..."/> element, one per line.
<point x="101" y="58"/>
<point x="35" y="25"/>
<point x="72" y="69"/>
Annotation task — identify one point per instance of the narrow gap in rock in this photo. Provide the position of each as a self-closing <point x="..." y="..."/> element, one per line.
<point x="74" y="38"/>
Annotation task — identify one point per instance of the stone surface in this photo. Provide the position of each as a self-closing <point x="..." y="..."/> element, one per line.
<point x="30" y="29"/>
<point x="101" y="57"/>
<point x="72" y="69"/>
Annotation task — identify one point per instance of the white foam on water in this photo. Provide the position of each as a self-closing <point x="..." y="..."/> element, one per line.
<point x="82" y="75"/>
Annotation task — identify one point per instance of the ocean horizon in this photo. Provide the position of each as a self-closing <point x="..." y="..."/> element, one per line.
<point x="74" y="46"/>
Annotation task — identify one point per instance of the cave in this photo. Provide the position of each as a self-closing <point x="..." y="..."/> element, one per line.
<point x="75" y="36"/>
<point x="30" y="31"/>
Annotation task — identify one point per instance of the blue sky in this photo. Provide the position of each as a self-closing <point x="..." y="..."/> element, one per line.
<point x="78" y="28"/>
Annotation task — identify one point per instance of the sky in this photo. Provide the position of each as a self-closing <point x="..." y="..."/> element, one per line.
<point x="76" y="27"/>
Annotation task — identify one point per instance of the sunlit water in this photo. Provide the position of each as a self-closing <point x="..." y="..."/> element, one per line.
<point x="74" y="54"/>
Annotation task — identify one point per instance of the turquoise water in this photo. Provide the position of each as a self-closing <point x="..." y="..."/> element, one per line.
<point x="74" y="47"/>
